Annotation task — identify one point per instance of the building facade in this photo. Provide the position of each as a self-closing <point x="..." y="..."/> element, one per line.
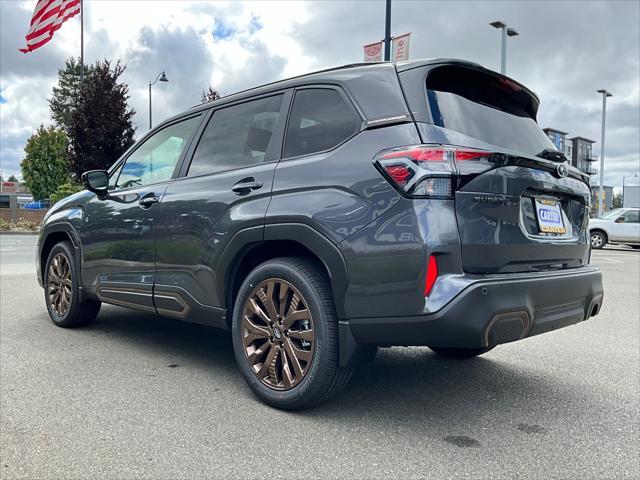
<point x="578" y="150"/>
<point x="595" y="195"/>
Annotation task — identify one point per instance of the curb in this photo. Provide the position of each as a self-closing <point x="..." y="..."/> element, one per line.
<point x="14" y="232"/>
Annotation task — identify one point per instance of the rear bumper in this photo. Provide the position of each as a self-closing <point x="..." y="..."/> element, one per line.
<point x="487" y="313"/>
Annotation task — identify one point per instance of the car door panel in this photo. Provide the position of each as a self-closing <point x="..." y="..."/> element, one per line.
<point x="118" y="234"/>
<point x="226" y="188"/>
<point x="197" y="219"/>
<point x="118" y="247"/>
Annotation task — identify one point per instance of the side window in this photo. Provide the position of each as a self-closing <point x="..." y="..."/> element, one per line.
<point x="320" y="120"/>
<point x="632" y="216"/>
<point x="237" y="137"/>
<point x="155" y="160"/>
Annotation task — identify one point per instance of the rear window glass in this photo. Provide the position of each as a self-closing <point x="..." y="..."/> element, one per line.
<point x="320" y="120"/>
<point x="490" y="108"/>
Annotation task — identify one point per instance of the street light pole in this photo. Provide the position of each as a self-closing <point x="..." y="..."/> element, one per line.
<point x="387" y="32"/>
<point x="506" y="32"/>
<point x="605" y="94"/>
<point x="160" y="78"/>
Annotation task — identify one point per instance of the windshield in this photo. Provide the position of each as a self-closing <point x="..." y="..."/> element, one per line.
<point x="612" y="214"/>
<point x="491" y="108"/>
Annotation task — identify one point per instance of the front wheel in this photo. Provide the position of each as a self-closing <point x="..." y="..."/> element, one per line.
<point x="460" y="353"/>
<point x="285" y="334"/>
<point x="61" y="291"/>
<point x="598" y="239"/>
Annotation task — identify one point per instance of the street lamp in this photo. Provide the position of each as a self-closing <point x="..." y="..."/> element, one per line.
<point x="162" y="78"/>
<point x="605" y="94"/>
<point x="506" y="32"/>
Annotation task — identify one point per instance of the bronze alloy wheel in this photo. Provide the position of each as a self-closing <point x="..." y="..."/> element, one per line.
<point x="59" y="284"/>
<point x="277" y="334"/>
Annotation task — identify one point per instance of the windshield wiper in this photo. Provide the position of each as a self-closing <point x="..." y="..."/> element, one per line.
<point x="551" y="154"/>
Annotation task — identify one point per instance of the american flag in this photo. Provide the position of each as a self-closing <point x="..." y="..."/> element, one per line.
<point x="48" y="17"/>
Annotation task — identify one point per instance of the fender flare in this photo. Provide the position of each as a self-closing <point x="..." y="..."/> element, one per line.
<point x="67" y="228"/>
<point x="325" y="250"/>
<point x="328" y="253"/>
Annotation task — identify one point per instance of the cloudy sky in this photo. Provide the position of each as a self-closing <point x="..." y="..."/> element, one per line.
<point x="565" y="52"/>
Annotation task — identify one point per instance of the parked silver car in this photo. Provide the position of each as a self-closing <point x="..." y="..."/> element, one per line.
<point x="621" y="225"/>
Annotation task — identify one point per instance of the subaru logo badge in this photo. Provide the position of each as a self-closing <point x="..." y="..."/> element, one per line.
<point x="562" y="170"/>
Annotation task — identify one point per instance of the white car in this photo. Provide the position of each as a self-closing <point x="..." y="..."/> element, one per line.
<point x="621" y="225"/>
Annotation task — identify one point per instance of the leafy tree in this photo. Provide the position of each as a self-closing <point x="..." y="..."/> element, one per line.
<point x="616" y="201"/>
<point x="65" y="96"/>
<point x="100" y="130"/>
<point x="12" y="178"/>
<point x="46" y="164"/>
<point x="209" y="95"/>
<point x="64" y="190"/>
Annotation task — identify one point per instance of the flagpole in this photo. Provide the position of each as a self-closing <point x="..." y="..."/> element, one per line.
<point x="81" y="41"/>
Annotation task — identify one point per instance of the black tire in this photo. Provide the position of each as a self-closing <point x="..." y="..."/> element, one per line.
<point x="324" y="379"/>
<point x="598" y="239"/>
<point x="76" y="313"/>
<point x="460" y="353"/>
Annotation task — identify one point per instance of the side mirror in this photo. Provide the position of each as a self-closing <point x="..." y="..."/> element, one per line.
<point x="620" y="219"/>
<point x="96" y="181"/>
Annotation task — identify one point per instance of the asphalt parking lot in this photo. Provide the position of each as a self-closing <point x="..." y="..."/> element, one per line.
<point x="135" y="396"/>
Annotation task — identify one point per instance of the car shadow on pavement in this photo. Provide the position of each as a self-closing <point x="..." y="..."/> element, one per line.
<point x="414" y="390"/>
<point x="409" y="388"/>
<point x="175" y="340"/>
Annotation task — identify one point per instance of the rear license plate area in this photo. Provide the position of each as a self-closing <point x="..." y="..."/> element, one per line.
<point x="549" y="216"/>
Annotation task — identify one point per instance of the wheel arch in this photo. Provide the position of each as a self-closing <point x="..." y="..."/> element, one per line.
<point x="601" y="230"/>
<point x="51" y="236"/>
<point x="282" y="240"/>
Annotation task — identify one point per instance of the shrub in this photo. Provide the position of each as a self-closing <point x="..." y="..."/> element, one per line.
<point x="64" y="190"/>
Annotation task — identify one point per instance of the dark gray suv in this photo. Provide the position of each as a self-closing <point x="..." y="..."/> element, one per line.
<point x="323" y="216"/>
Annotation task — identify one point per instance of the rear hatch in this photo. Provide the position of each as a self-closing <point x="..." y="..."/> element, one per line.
<point x="520" y="207"/>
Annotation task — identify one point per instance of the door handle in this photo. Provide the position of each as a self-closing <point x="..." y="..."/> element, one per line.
<point x="245" y="185"/>
<point x="146" y="202"/>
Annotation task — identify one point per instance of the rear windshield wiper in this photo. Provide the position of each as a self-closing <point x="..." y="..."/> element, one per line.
<point x="551" y="154"/>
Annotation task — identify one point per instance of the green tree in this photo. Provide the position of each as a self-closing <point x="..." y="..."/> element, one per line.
<point x="616" y="201"/>
<point x="65" y="96"/>
<point x="209" y="95"/>
<point x="46" y="163"/>
<point x="64" y="190"/>
<point x="100" y="130"/>
<point x="12" y="178"/>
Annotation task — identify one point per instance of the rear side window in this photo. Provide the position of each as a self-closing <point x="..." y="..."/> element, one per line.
<point x="237" y="137"/>
<point x="320" y="119"/>
<point x="488" y="107"/>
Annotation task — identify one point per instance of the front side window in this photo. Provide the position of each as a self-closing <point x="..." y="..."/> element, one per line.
<point x="632" y="216"/>
<point x="155" y="160"/>
<point x="321" y="119"/>
<point x="238" y="136"/>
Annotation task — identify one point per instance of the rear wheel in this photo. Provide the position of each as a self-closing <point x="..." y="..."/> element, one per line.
<point x="285" y="334"/>
<point x="598" y="239"/>
<point x="460" y="353"/>
<point x="61" y="291"/>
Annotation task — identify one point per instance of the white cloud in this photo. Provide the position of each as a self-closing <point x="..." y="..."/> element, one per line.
<point x="565" y="52"/>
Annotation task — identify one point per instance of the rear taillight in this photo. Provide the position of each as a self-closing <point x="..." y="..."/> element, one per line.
<point x="430" y="170"/>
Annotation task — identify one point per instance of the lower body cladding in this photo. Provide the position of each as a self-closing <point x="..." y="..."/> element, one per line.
<point x="486" y="313"/>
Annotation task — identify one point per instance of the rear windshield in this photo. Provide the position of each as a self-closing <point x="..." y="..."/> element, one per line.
<point x="490" y="108"/>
